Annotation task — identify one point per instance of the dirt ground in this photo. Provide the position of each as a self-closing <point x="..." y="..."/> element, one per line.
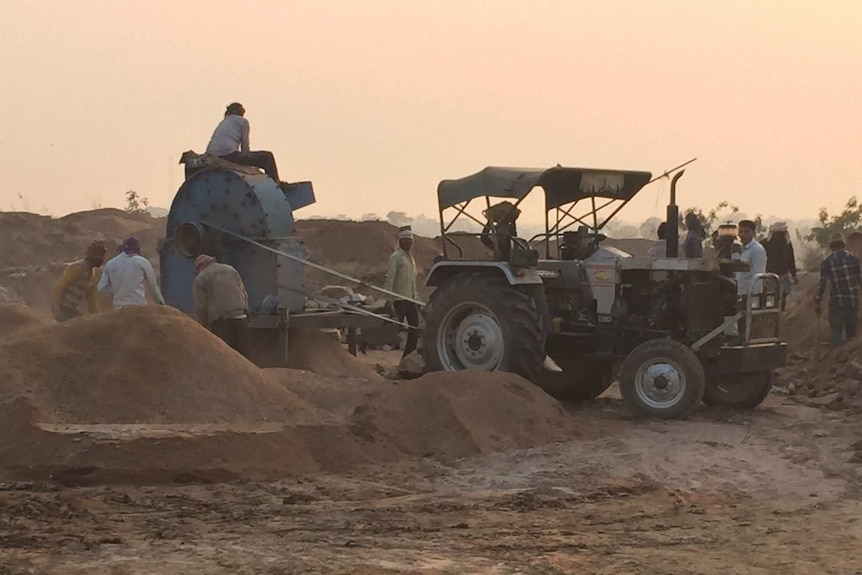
<point x="772" y="491"/>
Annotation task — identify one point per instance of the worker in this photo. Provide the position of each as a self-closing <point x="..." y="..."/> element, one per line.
<point x="78" y="283"/>
<point x="126" y="275"/>
<point x="401" y="279"/>
<point x="841" y="270"/>
<point x="692" y="246"/>
<point x="659" y="248"/>
<point x="221" y="302"/>
<point x="780" y="259"/>
<point x="230" y="142"/>
<point x="753" y="253"/>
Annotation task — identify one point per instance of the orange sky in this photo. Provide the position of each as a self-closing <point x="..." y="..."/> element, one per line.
<point x="376" y="101"/>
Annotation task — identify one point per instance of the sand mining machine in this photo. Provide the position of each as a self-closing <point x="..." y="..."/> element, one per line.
<point x="245" y="219"/>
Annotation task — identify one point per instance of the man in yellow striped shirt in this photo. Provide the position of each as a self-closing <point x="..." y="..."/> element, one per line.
<point x="78" y="283"/>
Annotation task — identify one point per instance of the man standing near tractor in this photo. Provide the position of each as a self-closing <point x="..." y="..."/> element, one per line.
<point x="781" y="260"/>
<point x="842" y="270"/>
<point x="401" y="279"/>
<point x="753" y="253"/>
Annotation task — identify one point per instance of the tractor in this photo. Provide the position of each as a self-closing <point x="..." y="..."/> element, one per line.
<point x="672" y="331"/>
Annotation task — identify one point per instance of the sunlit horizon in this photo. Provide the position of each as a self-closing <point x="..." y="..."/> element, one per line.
<point x="377" y="101"/>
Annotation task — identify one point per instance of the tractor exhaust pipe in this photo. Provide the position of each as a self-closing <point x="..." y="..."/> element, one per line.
<point x="673" y="219"/>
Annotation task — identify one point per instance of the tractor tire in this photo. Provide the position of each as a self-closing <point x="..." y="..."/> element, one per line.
<point x="581" y="380"/>
<point x="662" y="378"/>
<point x="478" y="321"/>
<point x="740" y="391"/>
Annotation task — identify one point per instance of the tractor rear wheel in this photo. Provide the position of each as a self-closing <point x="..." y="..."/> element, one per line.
<point x="580" y="380"/>
<point x="662" y="378"/>
<point x="742" y="391"/>
<point x="478" y="321"/>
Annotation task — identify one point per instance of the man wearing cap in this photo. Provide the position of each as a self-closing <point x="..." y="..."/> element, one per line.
<point x="78" y="283"/>
<point x="401" y="279"/>
<point x="780" y="259"/>
<point x="126" y="275"/>
<point x="221" y="302"/>
<point x="230" y="142"/>
<point x="841" y="270"/>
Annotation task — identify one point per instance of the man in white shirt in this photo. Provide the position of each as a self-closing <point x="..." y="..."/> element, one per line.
<point x="125" y="274"/>
<point x="230" y="142"/>
<point x="753" y="253"/>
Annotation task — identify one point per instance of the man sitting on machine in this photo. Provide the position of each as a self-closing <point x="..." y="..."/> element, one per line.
<point x="230" y="142"/>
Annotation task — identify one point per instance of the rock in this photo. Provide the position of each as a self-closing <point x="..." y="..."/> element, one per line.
<point x="856" y="368"/>
<point x="825" y="400"/>
<point x="412" y="366"/>
<point x="336" y="292"/>
<point x="849" y="388"/>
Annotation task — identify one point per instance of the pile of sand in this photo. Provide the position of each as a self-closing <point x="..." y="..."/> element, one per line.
<point x="323" y="354"/>
<point x="147" y="395"/>
<point x="16" y="317"/>
<point x="137" y="365"/>
<point x="463" y="413"/>
<point x="831" y="378"/>
<point x="801" y="328"/>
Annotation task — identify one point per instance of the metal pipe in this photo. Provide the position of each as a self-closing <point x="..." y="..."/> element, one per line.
<point x="672" y="220"/>
<point x="314" y="265"/>
<point x="331" y="301"/>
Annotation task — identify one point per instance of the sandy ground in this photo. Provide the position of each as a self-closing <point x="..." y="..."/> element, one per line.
<point x="773" y="491"/>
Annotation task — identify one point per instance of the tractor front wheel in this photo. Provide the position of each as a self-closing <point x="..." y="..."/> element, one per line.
<point x="478" y="321"/>
<point x="741" y="391"/>
<point x="662" y="378"/>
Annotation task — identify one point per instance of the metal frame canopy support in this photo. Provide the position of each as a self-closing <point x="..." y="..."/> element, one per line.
<point x="563" y="188"/>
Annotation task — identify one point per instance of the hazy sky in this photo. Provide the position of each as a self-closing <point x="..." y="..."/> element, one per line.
<point x="377" y="101"/>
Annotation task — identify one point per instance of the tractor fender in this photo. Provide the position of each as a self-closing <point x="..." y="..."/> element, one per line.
<point x="443" y="270"/>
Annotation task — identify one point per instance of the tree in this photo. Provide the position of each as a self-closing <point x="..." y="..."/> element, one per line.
<point x="649" y="228"/>
<point x="135" y="203"/>
<point x="847" y="221"/>
<point x="714" y="217"/>
<point x="399" y="219"/>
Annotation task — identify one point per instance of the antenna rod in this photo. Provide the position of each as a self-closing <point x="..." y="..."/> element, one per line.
<point x="670" y="171"/>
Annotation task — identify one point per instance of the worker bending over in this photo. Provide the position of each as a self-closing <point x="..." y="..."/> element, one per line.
<point x="401" y="279"/>
<point x="221" y="302"/>
<point x="230" y="142"/>
<point x="78" y="283"/>
<point x="126" y="275"/>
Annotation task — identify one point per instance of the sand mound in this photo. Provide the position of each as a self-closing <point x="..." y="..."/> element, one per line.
<point x="137" y="365"/>
<point x="15" y="317"/>
<point x="831" y="378"/>
<point x="122" y="430"/>
<point x="464" y="413"/>
<point x="323" y="354"/>
<point x="801" y="328"/>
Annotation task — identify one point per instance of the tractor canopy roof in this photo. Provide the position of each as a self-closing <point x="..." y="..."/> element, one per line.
<point x="562" y="185"/>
